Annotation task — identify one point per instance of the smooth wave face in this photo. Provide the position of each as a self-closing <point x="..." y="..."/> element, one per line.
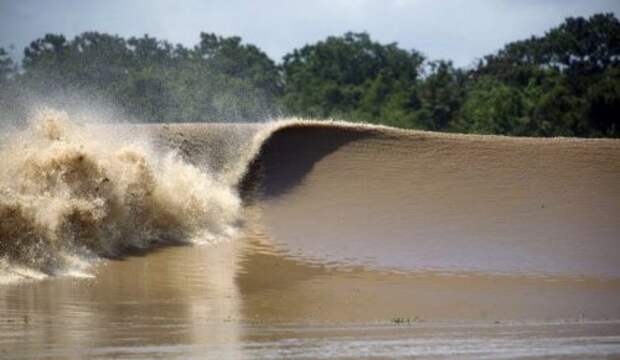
<point x="423" y="201"/>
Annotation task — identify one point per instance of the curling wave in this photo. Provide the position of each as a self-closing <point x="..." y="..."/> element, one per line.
<point x="333" y="191"/>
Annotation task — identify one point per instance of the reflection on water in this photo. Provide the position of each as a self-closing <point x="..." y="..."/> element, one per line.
<point x="250" y="298"/>
<point x="173" y="296"/>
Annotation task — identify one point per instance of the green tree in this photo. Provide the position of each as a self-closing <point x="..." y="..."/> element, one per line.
<point x="582" y="46"/>
<point x="565" y="83"/>
<point x="603" y="104"/>
<point x="553" y="110"/>
<point x="492" y="107"/>
<point x="219" y="79"/>
<point x="347" y="75"/>
<point x="567" y="75"/>
<point x="441" y="95"/>
<point x="7" y="67"/>
<point x="232" y="58"/>
<point x="10" y="106"/>
<point x="92" y="63"/>
<point x="577" y="47"/>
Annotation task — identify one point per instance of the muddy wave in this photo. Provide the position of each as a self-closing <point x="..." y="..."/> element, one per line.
<point x="334" y="192"/>
<point x="69" y="191"/>
<point x="421" y="201"/>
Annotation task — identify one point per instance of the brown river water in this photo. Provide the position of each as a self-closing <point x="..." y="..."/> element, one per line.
<point x="305" y="240"/>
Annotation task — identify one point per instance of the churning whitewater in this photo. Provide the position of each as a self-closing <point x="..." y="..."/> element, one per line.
<point x="70" y="193"/>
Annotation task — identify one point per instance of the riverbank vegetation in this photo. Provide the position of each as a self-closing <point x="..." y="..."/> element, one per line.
<point x="564" y="83"/>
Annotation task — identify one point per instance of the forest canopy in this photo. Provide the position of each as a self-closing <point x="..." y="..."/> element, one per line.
<point x="564" y="83"/>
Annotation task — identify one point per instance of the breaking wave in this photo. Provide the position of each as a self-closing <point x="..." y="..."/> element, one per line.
<point x="337" y="192"/>
<point x="70" y="193"/>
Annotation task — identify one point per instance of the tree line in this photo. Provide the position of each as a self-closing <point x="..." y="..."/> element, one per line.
<point x="564" y="83"/>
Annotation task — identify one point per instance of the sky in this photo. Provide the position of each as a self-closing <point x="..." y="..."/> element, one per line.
<point x="457" y="30"/>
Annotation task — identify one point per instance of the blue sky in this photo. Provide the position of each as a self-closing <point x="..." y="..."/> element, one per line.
<point x="458" y="30"/>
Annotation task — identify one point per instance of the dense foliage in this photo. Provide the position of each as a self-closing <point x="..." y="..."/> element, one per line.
<point x="565" y="83"/>
<point x="152" y="80"/>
